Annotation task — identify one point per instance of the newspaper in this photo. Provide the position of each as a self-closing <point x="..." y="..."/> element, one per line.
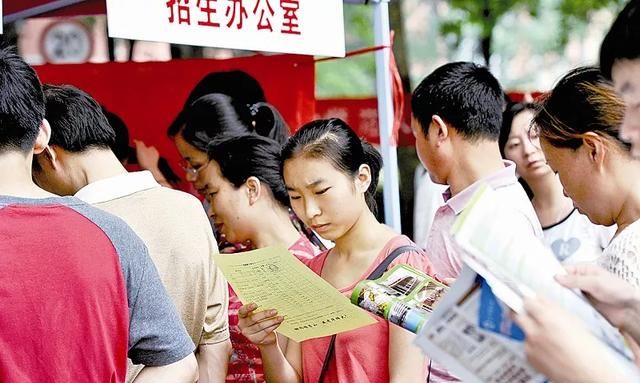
<point x="470" y="332"/>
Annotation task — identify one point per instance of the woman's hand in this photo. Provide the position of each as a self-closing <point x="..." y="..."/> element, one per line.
<point x="614" y="298"/>
<point x="148" y="156"/>
<point x="259" y="327"/>
<point x="560" y="347"/>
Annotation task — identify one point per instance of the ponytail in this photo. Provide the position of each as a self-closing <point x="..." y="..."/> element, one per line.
<point x="268" y="122"/>
<point x="217" y="115"/>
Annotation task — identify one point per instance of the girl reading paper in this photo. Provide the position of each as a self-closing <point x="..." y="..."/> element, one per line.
<point x="331" y="176"/>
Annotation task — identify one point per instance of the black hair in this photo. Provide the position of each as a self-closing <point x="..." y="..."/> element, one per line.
<point x="512" y="110"/>
<point x="216" y="115"/>
<point x="21" y="103"/>
<point x="249" y="155"/>
<point x="336" y="142"/>
<point x="463" y="94"/>
<point x="623" y="39"/>
<point x="77" y="121"/>
<point x="236" y="84"/>
<point x="120" y="147"/>
<point x="582" y="101"/>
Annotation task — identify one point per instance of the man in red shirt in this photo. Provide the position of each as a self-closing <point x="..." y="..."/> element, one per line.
<point x="78" y="290"/>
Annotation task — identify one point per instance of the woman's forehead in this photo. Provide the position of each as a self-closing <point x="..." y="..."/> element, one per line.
<point x="308" y="172"/>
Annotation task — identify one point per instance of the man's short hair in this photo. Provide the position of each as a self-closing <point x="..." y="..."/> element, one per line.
<point x="21" y="103"/>
<point x="77" y="121"/>
<point x="463" y="94"/>
<point x="623" y="39"/>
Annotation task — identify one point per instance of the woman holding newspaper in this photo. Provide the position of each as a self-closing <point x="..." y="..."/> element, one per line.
<point x="595" y="166"/>
<point x="598" y="172"/>
<point x="331" y="177"/>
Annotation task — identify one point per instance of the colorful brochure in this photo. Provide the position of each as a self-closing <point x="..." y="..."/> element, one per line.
<point x="403" y="295"/>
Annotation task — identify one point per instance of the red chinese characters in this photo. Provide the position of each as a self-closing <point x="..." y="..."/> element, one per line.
<point x="290" y="24"/>
<point x="208" y="9"/>
<point x="266" y="12"/>
<point x="264" y="15"/>
<point x="181" y="9"/>
<point x="237" y="11"/>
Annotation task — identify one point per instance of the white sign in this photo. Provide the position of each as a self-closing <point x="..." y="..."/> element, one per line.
<point x="312" y="27"/>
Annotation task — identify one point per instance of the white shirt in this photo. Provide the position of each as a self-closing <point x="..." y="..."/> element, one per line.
<point x="427" y="199"/>
<point x="621" y="256"/>
<point x="576" y="239"/>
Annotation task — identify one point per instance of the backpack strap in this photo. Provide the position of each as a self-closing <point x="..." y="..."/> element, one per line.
<point x="384" y="265"/>
<point x="375" y="274"/>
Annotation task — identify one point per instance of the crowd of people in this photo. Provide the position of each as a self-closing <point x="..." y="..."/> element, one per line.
<point x="108" y="275"/>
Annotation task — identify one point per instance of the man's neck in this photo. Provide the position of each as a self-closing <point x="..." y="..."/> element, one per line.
<point x="97" y="165"/>
<point x="475" y="162"/>
<point x="16" y="177"/>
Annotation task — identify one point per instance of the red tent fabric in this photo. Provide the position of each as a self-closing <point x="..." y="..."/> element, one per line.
<point x="21" y="9"/>
<point x="147" y="96"/>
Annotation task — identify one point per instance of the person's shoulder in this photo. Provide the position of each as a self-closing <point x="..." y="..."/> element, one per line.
<point x="174" y="206"/>
<point x="176" y="197"/>
<point x="315" y="263"/>
<point x="516" y="198"/>
<point x="400" y="240"/>
<point x="630" y="235"/>
<point x="100" y="217"/>
<point x="126" y="242"/>
<point x="304" y="249"/>
<point x="411" y="255"/>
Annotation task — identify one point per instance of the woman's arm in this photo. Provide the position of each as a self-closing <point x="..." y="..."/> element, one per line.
<point x="279" y="367"/>
<point x="260" y="328"/>
<point x="406" y="362"/>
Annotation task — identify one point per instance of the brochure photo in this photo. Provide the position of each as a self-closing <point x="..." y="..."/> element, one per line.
<point x="403" y="295"/>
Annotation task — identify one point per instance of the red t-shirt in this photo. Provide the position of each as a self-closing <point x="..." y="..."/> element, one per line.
<point x="63" y="297"/>
<point x="79" y="294"/>
<point x="360" y="355"/>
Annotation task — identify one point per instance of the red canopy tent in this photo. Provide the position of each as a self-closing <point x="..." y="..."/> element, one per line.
<point x="21" y="9"/>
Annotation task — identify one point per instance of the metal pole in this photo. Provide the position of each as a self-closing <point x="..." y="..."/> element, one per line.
<point x="391" y="189"/>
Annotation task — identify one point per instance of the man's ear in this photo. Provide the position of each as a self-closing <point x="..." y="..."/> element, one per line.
<point x="44" y="135"/>
<point x="254" y="189"/>
<point x="438" y="129"/>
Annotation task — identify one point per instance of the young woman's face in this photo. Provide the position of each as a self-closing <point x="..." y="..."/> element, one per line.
<point x="195" y="163"/>
<point x="523" y="148"/>
<point x="325" y="198"/>
<point x="228" y="206"/>
<point x="581" y="181"/>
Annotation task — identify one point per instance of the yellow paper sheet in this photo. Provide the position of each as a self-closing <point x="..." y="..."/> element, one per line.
<point x="274" y="279"/>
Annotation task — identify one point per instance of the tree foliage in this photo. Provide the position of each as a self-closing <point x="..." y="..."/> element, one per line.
<point x="485" y="15"/>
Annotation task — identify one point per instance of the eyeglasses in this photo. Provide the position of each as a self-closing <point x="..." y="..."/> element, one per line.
<point x="190" y="170"/>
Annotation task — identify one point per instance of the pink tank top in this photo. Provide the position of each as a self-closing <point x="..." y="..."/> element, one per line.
<point x="360" y="355"/>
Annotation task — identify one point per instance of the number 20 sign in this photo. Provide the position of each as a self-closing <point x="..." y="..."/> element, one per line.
<point x="312" y="27"/>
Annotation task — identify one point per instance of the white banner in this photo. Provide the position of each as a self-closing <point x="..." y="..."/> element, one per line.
<point x="312" y="27"/>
